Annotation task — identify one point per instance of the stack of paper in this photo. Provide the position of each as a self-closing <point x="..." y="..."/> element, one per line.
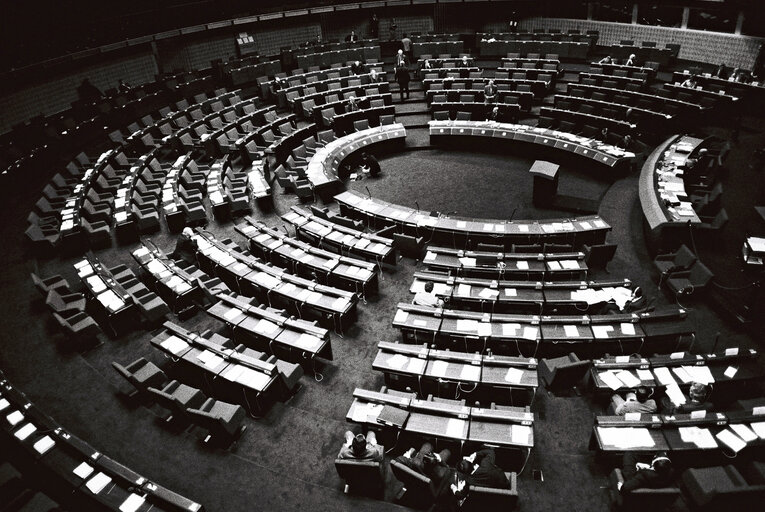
<point x="701" y="437"/>
<point x="610" y="379"/>
<point x="731" y="440"/>
<point x="626" y="437"/>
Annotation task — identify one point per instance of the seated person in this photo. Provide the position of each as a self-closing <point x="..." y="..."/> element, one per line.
<point x="352" y="105"/>
<point x="358" y="447"/>
<point x="357" y="68"/>
<point x="481" y="470"/>
<point x="464" y="63"/>
<point x="425" y="461"/>
<point x="698" y="400"/>
<point x="605" y="60"/>
<point x="427" y="297"/>
<point x="369" y="164"/>
<point x="632" y="60"/>
<point x="452" y="489"/>
<point x="638" y="401"/>
<point x="374" y="76"/>
<point x="490" y="92"/>
<point x="689" y="82"/>
<point x="637" y="475"/>
<point x="185" y="246"/>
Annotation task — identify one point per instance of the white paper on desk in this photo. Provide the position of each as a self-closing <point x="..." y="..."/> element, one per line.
<point x="419" y="323"/>
<point x="401" y="316"/>
<point x="554" y="265"/>
<point x="621" y="359"/>
<point x="96" y="283"/>
<point x="83" y="470"/>
<point x="14" y="418"/>
<point x="397" y="361"/>
<point x="174" y="345"/>
<point x="471" y="372"/>
<point x="455" y="428"/>
<point x="416" y="365"/>
<point x="4" y="404"/>
<point x="743" y="432"/>
<point x="467" y="325"/>
<point x="730" y="372"/>
<point x="44" y="444"/>
<point x="628" y="379"/>
<point x="308" y="341"/>
<point x="759" y="428"/>
<point x="484" y="329"/>
<point x="675" y="395"/>
<point x="521" y="434"/>
<point x="511" y="292"/>
<point x="731" y="351"/>
<point x="25" y="431"/>
<point x="489" y="293"/>
<point x="209" y="359"/>
<point x="569" y="264"/>
<point x="132" y="503"/>
<point x="514" y="376"/>
<point x="439" y="368"/>
<point x="632" y="416"/>
<point x="601" y="331"/>
<point x="700" y="374"/>
<point x="731" y="440"/>
<point x="510" y="329"/>
<point x="467" y="262"/>
<point x="530" y="333"/>
<point x="628" y="328"/>
<point x="571" y="331"/>
<point x="701" y="437"/>
<point x="97" y="483"/>
<point x="464" y="290"/>
<point x="682" y="374"/>
<point x="522" y="265"/>
<point x="626" y="437"/>
<point x="664" y="376"/>
<point x="265" y="327"/>
<point x="644" y="374"/>
<point x="610" y="379"/>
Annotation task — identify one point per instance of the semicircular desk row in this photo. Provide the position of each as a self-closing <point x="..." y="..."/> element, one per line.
<point x="466" y="232"/>
<point x="667" y="209"/>
<point x="322" y="170"/>
<point x="68" y="469"/>
<point x="593" y="149"/>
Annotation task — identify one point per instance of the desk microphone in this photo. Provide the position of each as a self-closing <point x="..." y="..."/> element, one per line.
<point x="285" y="230"/>
<point x="513" y="214"/>
<point x="368" y="192"/>
<point x="418" y="205"/>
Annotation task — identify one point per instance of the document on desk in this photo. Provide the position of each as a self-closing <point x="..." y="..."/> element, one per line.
<point x="132" y="503"/>
<point x="571" y="331"/>
<point x="25" y="431"/>
<point x="97" y="483"/>
<point x="174" y="345"/>
<point x="530" y="333"/>
<point x="758" y="428"/>
<point x="489" y="294"/>
<point x="522" y="265"/>
<point x="510" y="329"/>
<point x="731" y="440"/>
<point x="4" y="404"/>
<point x="628" y="379"/>
<point x="554" y="265"/>
<point x="569" y="264"/>
<point x="468" y="262"/>
<point x="601" y="331"/>
<point x="683" y="374"/>
<point x="730" y="372"/>
<point x="664" y="376"/>
<point x="514" y="376"/>
<point x="626" y="437"/>
<point x="628" y="328"/>
<point x="521" y="434"/>
<point x="15" y="418"/>
<point x="701" y="437"/>
<point x="439" y="368"/>
<point x="610" y="379"/>
<point x="743" y="432"/>
<point x="467" y="325"/>
<point x="455" y="428"/>
<point x="463" y="290"/>
<point x="44" y="444"/>
<point x="307" y="341"/>
<point x="471" y="372"/>
<point x="675" y="395"/>
<point x="397" y="361"/>
<point x="644" y="374"/>
<point x="209" y="359"/>
<point x="365" y="412"/>
<point x="511" y="292"/>
<point x="265" y="327"/>
<point x="83" y="470"/>
<point x="700" y="374"/>
<point x="96" y="284"/>
<point x="401" y="316"/>
<point x="416" y="365"/>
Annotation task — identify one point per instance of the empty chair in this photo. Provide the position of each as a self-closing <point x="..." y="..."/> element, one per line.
<point x="562" y="373"/>
<point x="463" y="116"/>
<point x="222" y="420"/>
<point x="467" y="98"/>
<point x="61" y="302"/>
<point x="527" y="248"/>
<point x="361" y="124"/>
<point x="680" y="260"/>
<point x="714" y="224"/>
<point x="719" y="488"/>
<point x="558" y="248"/>
<point x="482" y="498"/>
<point x="47" y="284"/>
<point x="598" y="255"/>
<point x="689" y="282"/>
<point x="441" y="115"/>
<point x="78" y="326"/>
<point x="177" y="398"/>
<point x="387" y="119"/>
<point x="141" y="374"/>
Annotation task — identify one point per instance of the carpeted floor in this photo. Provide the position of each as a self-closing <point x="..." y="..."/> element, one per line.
<point x="284" y="460"/>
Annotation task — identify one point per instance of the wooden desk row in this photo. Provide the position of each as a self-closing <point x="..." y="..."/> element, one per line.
<point x="507" y="265"/>
<point x="305" y="260"/>
<point x="689" y="439"/>
<point x="69" y="470"/>
<point x="182" y="199"/>
<point x="438" y="48"/>
<point x="521" y="98"/>
<point x="450" y="72"/>
<point x="641" y="72"/>
<point x="544" y="336"/>
<point x="505" y="296"/>
<point x="446" y="420"/>
<point x="325" y="163"/>
<point x="726" y="371"/>
<point x="564" y="49"/>
<point x="274" y="286"/>
<point x="114" y="302"/>
<point x="340" y="55"/>
<point x="642" y="53"/>
<point x="632" y="98"/>
<point x="446" y="374"/>
<point x="271" y="330"/>
<point x="538" y="35"/>
<point x="321" y="113"/>
<point x="457" y="232"/>
<point x="220" y="368"/>
<point x="176" y="287"/>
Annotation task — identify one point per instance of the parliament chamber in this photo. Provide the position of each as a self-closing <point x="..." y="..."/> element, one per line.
<point x="385" y="255"/>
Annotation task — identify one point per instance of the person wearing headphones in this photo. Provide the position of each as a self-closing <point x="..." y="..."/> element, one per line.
<point x="637" y="475"/>
<point x="639" y="401"/>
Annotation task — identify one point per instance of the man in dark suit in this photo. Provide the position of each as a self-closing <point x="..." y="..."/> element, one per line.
<point x="425" y="461"/>
<point x="638" y="475"/>
<point x="402" y="73"/>
<point x="352" y="37"/>
<point x="482" y="470"/>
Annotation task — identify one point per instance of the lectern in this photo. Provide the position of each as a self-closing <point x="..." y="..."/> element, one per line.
<point x="545" y="183"/>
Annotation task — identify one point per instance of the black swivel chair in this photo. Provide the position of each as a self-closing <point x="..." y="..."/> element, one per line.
<point x="563" y="373"/>
<point x="360" y="476"/>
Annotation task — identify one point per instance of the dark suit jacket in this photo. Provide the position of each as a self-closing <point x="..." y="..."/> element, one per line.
<point x="634" y="479"/>
<point x="488" y="473"/>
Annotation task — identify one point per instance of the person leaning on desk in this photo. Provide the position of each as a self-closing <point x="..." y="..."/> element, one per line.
<point x="639" y="401"/>
<point x="490" y="92"/>
<point x="698" y="394"/>
<point x="427" y="297"/>
<point x="481" y="470"/>
<point x="637" y="475"/>
<point x="359" y="447"/>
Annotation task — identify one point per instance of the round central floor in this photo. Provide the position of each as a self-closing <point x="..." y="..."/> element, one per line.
<point x="499" y="187"/>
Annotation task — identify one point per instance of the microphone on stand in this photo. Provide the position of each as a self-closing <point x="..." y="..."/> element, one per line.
<point x="368" y="192"/>
<point x="513" y="214"/>
<point x="418" y="205"/>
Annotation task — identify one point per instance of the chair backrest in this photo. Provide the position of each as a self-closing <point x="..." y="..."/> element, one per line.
<point x="566" y="372"/>
<point x="361" y="124"/>
<point x="414" y="481"/>
<point x="359" y="473"/>
<point x="386" y="120"/>
<point x="684" y="258"/>
<point x="463" y="116"/>
<point x="441" y="115"/>
<point x="599" y="255"/>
